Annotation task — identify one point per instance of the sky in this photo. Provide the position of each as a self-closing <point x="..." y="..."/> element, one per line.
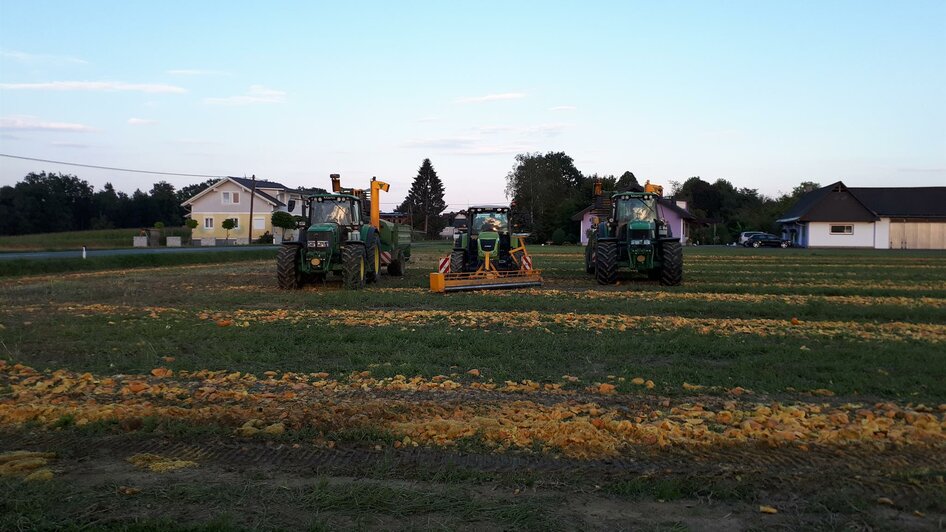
<point x="763" y="94"/>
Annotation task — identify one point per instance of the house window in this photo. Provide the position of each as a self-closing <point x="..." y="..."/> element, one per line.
<point x="842" y="229"/>
<point x="236" y="222"/>
<point x="231" y="198"/>
<point x="208" y="223"/>
<point x="259" y="223"/>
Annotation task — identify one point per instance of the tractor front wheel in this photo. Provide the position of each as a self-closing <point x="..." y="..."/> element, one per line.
<point x="353" y="267"/>
<point x="671" y="273"/>
<point x="397" y="266"/>
<point x="288" y="275"/>
<point x="374" y="261"/>
<point x="456" y="261"/>
<point x="606" y="262"/>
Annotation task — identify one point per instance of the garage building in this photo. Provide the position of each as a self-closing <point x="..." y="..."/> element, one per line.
<point x="868" y="217"/>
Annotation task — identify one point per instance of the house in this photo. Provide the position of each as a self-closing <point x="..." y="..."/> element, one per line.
<point x="868" y="217"/>
<point x="678" y="218"/>
<point x="230" y="198"/>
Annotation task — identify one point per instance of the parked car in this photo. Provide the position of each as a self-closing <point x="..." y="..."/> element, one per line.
<point x="746" y="234"/>
<point x="767" y="240"/>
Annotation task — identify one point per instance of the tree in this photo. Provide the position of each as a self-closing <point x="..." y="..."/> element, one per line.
<point x="229" y="224"/>
<point x="546" y="190"/>
<point x="627" y="181"/>
<point x="284" y="221"/>
<point x="164" y="200"/>
<point x="424" y="202"/>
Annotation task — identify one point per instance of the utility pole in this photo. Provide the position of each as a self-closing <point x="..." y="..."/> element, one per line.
<point x="252" y="197"/>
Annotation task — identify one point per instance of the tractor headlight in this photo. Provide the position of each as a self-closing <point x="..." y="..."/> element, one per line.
<point x="354" y="236"/>
<point x="645" y="242"/>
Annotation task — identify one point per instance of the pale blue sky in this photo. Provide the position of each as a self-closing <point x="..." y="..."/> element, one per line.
<point x="765" y="94"/>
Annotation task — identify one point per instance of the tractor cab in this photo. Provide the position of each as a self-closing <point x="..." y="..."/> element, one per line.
<point x="488" y="233"/>
<point x="635" y="217"/>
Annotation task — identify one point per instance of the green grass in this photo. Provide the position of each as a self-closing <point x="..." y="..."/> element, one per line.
<point x="73" y="240"/>
<point x="129" y="341"/>
<point x="23" y="267"/>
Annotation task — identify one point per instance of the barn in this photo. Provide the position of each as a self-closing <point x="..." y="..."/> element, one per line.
<point x="837" y="216"/>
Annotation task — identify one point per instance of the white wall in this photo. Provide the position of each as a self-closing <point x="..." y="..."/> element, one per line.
<point x="819" y="235"/>
<point x="882" y="233"/>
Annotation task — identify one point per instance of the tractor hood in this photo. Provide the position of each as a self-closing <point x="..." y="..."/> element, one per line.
<point x="322" y="237"/>
<point x="488" y="241"/>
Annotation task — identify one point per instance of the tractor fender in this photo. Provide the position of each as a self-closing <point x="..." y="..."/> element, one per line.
<point x="607" y="239"/>
<point x="668" y="239"/>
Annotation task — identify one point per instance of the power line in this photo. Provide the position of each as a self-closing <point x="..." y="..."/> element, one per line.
<point x="107" y="167"/>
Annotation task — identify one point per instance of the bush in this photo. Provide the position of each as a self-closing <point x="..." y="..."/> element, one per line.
<point x="559" y="236"/>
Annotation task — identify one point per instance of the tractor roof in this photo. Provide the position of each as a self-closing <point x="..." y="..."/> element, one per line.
<point x="630" y="194"/>
<point x="347" y="196"/>
<point x="489" y="208"/>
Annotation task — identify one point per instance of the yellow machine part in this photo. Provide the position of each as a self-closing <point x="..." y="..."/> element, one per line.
<point x="460" y="282"/>
<point x="487" y="277"/>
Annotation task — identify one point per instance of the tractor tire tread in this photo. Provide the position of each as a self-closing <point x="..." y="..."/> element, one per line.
<point x="354" y="269"/>
<point x="287" y="268"/>
<point x="671" y="273"/>
<point x="606" y="262"/>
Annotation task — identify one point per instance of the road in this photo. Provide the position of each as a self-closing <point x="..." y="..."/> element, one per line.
<point x="45" y="255"/>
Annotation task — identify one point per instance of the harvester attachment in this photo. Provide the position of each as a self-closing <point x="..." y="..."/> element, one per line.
<point x="487" y="276"/>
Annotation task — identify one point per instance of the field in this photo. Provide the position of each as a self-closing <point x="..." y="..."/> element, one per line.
<point x="72" y="240"/>
<point x="776" y="388"/>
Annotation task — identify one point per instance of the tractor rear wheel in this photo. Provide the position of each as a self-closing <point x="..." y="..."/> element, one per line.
<point x="606" y="262"/>
<point x="353" y="266"/>
<point x="288" y="275"/>
<point x="397" y="266"/>
<point x="671" y="273"/>
<point x="589" y="259"/>
<point x="456" y="261"/>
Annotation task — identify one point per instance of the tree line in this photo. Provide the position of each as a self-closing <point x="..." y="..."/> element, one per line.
<point x="46" y="202"/>
<point x="546" y="190"/>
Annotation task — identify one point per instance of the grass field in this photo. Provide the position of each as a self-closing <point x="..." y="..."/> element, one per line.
<point x="808" y="381"/>
<point x="72" y="240"/>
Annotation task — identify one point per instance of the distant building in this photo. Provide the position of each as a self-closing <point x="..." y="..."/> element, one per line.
<point x="868" y="217"/>
<point x="230" y="198"/>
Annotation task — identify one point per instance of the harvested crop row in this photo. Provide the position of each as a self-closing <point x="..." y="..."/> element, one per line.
<point x="443" y="412"/>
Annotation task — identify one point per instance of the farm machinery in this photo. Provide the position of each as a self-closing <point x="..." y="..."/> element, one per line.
<point x="342" y="233"/>
<point x="630" y="234"/>
<point x="486" y="255"/>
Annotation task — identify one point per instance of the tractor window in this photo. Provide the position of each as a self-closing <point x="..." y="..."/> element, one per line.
<point x="490" y="221"/>
<point x="330" y="211"/>
<point x="635" y="210"/>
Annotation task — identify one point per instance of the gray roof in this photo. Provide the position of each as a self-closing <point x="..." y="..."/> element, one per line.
<point x="837" y="202"/>
<point x="248" y="183"/>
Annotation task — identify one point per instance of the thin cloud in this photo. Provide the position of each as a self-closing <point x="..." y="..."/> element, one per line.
<point x="32" y="59"/>
<point x="563" y="108"/>
<point x="543" y="130"/>
<point x="492" y="97"/>
<point x="31" y="123"/>
<point x="428" y="119"/>
<point x="468" y="146"/>
<point x="256" y="94"/>
<point x="141" y="122"/>
<point x="195" y="72"/>
<point x="101" y="86"/>
<point x="77" y="145"/>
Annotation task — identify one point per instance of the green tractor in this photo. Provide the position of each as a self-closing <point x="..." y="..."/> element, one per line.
<point x="485" y="243"/>
<point x="487" y="255"/>
<point x="336" y="235"/>
<point x="635" y="238"/>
